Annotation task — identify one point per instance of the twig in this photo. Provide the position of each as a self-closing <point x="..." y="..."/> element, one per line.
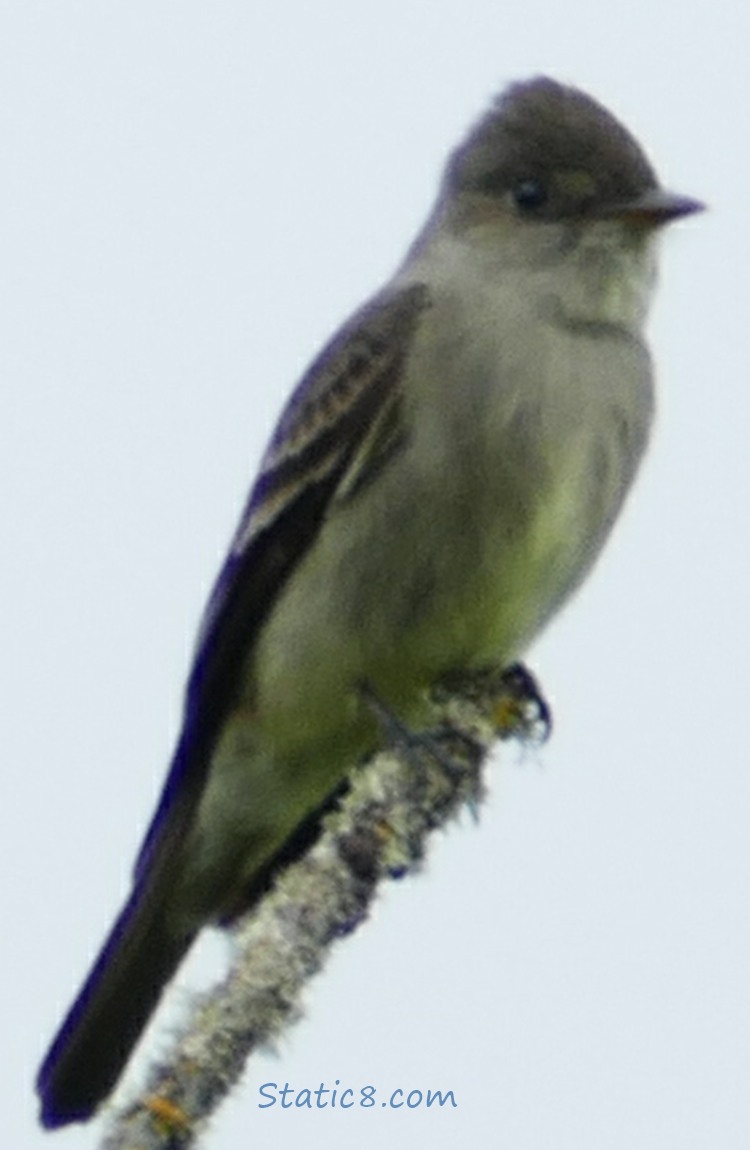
<point x="378" y="830"/>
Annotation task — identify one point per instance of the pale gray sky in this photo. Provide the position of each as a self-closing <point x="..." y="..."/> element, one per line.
<point x="192" y="197"/>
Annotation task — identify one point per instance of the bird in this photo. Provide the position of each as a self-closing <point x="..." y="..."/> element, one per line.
<point x="439" y="484"/>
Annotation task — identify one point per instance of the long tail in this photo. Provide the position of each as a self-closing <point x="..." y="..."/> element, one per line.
<point x="103" y="1025"/>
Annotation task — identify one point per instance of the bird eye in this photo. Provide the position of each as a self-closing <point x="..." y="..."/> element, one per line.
<point x="528" y="195"/>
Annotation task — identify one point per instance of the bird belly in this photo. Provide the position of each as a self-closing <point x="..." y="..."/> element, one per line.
<point x="454" y="556"/>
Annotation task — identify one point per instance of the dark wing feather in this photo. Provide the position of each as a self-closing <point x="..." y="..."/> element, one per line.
<point x="349" y="393"/>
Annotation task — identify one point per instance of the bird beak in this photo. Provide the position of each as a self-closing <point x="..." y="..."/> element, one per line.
<point x="655" y="207"/>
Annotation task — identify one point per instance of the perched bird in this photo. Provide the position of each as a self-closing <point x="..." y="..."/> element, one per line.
<point x="440" y="483"/>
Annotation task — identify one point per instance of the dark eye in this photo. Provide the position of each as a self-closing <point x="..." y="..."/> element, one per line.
<point x="529" y="195"/>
